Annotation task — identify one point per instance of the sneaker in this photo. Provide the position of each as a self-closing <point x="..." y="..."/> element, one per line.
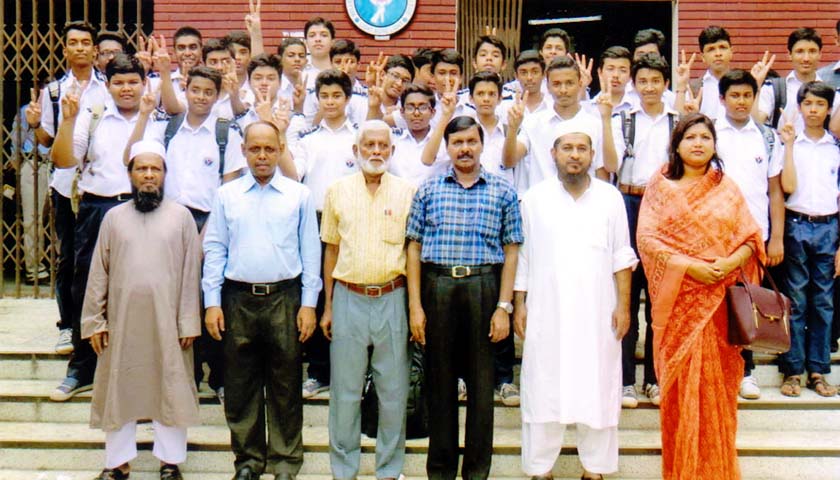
<point x="652" y="392"/>
<point x="312" y="387"/>
<point x="462" y="390"/>
<point x="65" y="341"/>
<point x="220" y="395"/>
<point x="628" y="397"/>
<point x="749" y="388"/>
<point x="68" y="389"/>
<point x="509" y="393"/>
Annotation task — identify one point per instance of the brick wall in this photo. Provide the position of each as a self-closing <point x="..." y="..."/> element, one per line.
<point x="433" y="24"/>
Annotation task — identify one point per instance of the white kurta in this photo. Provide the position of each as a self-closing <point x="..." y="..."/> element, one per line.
<point x="571" y="364"/>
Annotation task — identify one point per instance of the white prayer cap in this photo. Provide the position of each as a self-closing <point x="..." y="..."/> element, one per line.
<point x="589" y="129"/>
<point x="147" y="146"/>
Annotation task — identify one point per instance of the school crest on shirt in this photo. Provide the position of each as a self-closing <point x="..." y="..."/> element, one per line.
<point x="759" y="159"/>
<point x="208" y="161"/>
<point x="349" y="163"/>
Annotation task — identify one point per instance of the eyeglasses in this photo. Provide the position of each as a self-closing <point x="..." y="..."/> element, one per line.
<point x="425" y="108"/>
<point x="399" y="78"/>
<point x="109" y="53"/>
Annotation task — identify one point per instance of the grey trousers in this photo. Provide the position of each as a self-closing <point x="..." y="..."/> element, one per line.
<point x="358" y="323"/>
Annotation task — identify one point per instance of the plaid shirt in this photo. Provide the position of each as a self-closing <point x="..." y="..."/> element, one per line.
<point x="465" y="226"/>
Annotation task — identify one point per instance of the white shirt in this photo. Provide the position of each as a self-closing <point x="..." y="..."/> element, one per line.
<point x="767" y="101"/>
<point x="175" y="77"/>
<point x="192" y="161"/>
<point x="356" y="109"/>
<point x="491" y="153"/>
<point x="537" y="134"/>
<point x="711" y="105"/>
<point x="624" y="106"/>
<point x="650" y="145"/>
<point x="95" y="93"/>
<point x="632" y="96"/>
<point x="816" y="176"/>
<point x="407" y="163"/>
<point x="322" y="156"/>
<point x="744" y="155"/>
<point x="520" y="171"/>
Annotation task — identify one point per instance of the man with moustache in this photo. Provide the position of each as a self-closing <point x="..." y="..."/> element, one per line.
<point x="573" y="275"/>
<point x="261" y="284"/>
<point x="141" y="316"/>
<point x="363" y="226"/>
<point x="464" y="230"/>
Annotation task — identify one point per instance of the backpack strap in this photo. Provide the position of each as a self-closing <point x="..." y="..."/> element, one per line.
<point x="780" y="99"/>
<point x="223" y="126"/>
<point x="672" y="119"/>
<point x="172" y="128"/>
<point x="628" y="132"/>
<point x="769" y="140"/>
<point x="54" y="90"/>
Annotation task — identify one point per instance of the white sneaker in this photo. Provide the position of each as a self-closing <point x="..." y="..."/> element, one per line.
<point x="628" y="397"/>
<point x="749" y="388"/>
<point x="462" y="390"/>
<point x="652" y="392"/>
<point x="65" y="341"/>
<point x="509" y="394"/>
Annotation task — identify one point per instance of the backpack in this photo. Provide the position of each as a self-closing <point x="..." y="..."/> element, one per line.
<point x="223" y="127"/>
<point x="780" y="96"/>
<point x="628" y="131"/>
<point x="54" y="89"/>
<point x="75" y="194"/>
<point x="769" y="139"/>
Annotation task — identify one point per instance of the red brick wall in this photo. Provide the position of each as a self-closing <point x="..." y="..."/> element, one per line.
<point x="433" y="24"/>
<point x="759" y="25"/>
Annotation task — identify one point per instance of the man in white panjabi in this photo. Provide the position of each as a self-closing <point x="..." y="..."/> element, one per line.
<point x="572" y="296"/>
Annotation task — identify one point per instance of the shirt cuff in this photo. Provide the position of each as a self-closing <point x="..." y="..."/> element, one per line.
<point x="213" y="298"/>
<point x="309" y="297"/>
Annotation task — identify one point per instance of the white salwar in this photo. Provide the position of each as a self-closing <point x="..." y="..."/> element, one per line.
<point x="170" y="444"/>
<point x="566" y="265"/>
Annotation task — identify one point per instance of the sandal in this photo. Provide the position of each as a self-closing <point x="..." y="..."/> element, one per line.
<point x="817" y="383"/>
<point x="792" y="386"/>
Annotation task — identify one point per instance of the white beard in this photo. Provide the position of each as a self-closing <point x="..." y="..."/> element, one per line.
<point x="371" y="169"/>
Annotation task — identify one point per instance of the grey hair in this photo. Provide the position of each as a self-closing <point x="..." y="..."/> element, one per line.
<point x="370" y="126"/>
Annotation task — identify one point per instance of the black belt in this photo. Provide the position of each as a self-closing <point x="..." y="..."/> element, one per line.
<point x="810" y="218"/>
<point x="89" y="197"/>
<point x="461" y="271"/>
<point x="261" y="289"/>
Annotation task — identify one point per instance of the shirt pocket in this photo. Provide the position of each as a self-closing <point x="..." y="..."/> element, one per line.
<point x="394" y="229"/>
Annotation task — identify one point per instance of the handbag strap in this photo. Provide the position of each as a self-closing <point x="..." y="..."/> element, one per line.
<point x="769" y="277"/>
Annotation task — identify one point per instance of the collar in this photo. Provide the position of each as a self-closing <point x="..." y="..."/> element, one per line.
<point x="276" y="182"/>
<point x="562" y="187"/>
<point x="384" y="181"/>
<point x="792" y="77"/>
<point x="827" y="138"/>
<point x="450" y="175"/>
<point x="348" y="125"/>
<point x="111" y="110"/>
<point x="208" y="124"/>
<point x="665" y="111"/>
<point x="499" y="127"/>
<point x="723" y="123"/>
<point x="405" y="134"/>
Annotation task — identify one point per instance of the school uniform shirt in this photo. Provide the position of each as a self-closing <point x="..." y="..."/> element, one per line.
<point x="94" y="94"/>
<point x="650" y="145"/>
<point x="816" y="164"/>
<point x="624" y="106"/>
<point x="180" y="93"/>
<point x="461" y="108"/>
<point x="745" y="155"/>
<point x="632" y="96"/>
<point x="356" y="109"/>
<point x="491" y="153"/>
<point x="521" y="170"/>
<point x="711" y="105"/>
<point x="323" y="155"/>
<point x="192" y="161"/>
<point x="406" y="161"/>
<point x="767" y="100"/>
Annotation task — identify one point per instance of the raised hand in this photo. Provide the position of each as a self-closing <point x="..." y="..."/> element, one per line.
<point x="299" y="95"/>
<point x="604" y="101"/>
<point x="489" y="32"/>
<point x="787" y="132"/>
<point x="762" y="67"/>
<point x="33" y="110"/>
<point x="230" y="82"/>
<point x="375" y="88"/>
<point x="449" y="98"/>
<point x="517" y="112"/>
<point x="252" y="19"/>
<point x="262" y="105"/>
<point x="161" y="58"/>
<point x="375" y="67"/>
<point x="692" y="103"/>
<point x="281" y="117"/>
<point x="684" y="71"/>
<point x="148" y="101"/>
<point x="144" y="51"/>
<point x="70" y="102"/>
<point x="585" y="69"/>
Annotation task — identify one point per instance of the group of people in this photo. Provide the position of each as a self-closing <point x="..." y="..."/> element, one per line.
<point x="243" y="210"/>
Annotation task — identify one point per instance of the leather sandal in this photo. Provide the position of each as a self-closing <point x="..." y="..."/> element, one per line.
<point x="817" y="383"/>
<point x="792" y="386"/>
<point x="112" y="474"/>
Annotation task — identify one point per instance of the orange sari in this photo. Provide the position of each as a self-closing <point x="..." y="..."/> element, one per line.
<point x="699" y="372"/>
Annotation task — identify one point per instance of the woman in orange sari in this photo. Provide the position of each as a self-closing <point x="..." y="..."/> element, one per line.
<point x="695" y="232"/>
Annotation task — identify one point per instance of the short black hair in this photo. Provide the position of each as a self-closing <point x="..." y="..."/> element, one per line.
<point x="214" y="45"/>
<point x="319" y="21"/>
<point x="650" y="61"/>
<point x="345" y="47"/>
<point x="123" y="63"/>
<point x="561" y="63"/>
<point x="205" y="72"/>
<point x="734" y="77"/>
<point x="615" y="52"/>
<point x="490" y="77"/>
<point x="265" y="60"/>
<point x="805" y="33"/>
<point x="495" y="41"/>
<point x="401" y="61"/>
<point x="459" y="124"/>
<point x="288" y="42"/>
<point x="450" y="56"/>
<point x="713" y="34"/>
<point x="421" y="89"/>
<point x="556" y="33"/>
<point x="239" y="37"/>
<point x="528" y="56"/>
<point x="421" y="57"/>
<point x="113" y="36"/>
<point x="187" y="31"/>
<point x="817" y="89"/>
<point x="334" y="76"/>
<point x="80" y="26"/>
<point x="649" y="35"/>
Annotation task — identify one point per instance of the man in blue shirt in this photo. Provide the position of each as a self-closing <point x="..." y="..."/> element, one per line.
<point x="261" y="284"/>
<point x="464" y="230"/>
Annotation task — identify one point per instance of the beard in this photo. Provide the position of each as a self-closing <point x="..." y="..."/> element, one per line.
<point x="145" y="202"/>
<point x="370" y="168"/>
<point x="574" y="179"/>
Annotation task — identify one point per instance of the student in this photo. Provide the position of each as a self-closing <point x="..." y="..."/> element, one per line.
<point x="240" y="42"/>
<point x="292" y="52"/>
<point x="752" y="154"/>
<point x="417" y="106"/>
<point x="554" y="42"/>
<point x="614" y="69"/>
<point x="345" y="56"/>
<point x="422" y="60"/>
<point x="831" y="72"/>
<point x="529" y="68"/>
<point x="398" y="72"/>
<point x="318" y="34"/>
<point x="218" y="55"/>
<point x="447" y="71"/>
<point x="639" y="149"/>
<point x="173" y="85"/>
<point x="490" y="56"/>
<point x="649" y="40"/>
<point x="716" y="50"/>
<point x="108" y="44"/>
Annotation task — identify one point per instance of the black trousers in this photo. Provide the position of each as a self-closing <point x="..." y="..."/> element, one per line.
<point x="91" y="212"/>
<point x="65" y="224"/>
<point x="263" y="377"/>
<point x="638" y="284"/>
<point x="317" y="349"/>
<point x="458" y="313"/>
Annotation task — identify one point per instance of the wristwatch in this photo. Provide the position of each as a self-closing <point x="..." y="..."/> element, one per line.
<point x="506" y="306"/>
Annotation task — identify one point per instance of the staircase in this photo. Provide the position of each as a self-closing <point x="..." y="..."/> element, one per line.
<point x="778" y="437"/>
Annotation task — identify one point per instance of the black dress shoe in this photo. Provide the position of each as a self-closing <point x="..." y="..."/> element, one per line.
<point x="170" y="472"/>
<point x="245" y="473"/>
<point x="284" y="476"/>
<point x="112" y="474"/>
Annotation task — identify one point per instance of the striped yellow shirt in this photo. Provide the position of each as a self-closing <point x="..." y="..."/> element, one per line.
<point x="369" y="229"/>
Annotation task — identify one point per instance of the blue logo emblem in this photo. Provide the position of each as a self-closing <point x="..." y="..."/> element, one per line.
<point x="381" y="18"/>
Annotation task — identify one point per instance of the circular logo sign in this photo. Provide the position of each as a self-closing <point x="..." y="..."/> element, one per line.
<point x="381" y="17"/>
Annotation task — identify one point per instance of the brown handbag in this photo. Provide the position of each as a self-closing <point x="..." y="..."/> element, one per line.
<point x="758" y="317"/>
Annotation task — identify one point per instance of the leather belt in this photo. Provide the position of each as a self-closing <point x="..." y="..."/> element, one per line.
<point x="89" y="197"/>
<point x="260" y="289"/>
<point x="634" y="190"/>
<point x="462" y="271"/>
<point x="374" y="291"/>
<point x="810" y="218"/>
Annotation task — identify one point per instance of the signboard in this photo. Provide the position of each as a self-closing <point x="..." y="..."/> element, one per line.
<point x="381" y="18"/>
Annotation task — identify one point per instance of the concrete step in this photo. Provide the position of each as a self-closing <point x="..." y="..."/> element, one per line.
<point x="45" y="446"/>
<point x="153" y="475"/>
<point x="28" y="401"/>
